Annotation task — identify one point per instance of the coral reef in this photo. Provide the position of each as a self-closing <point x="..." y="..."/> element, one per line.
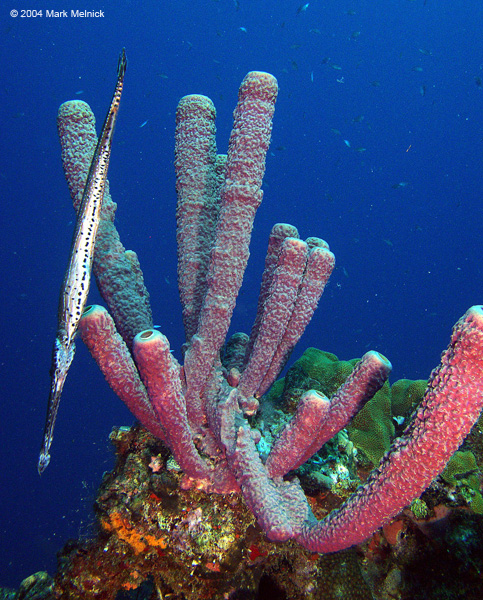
<point x="210" y="524"/>
<point x="156" y="540"/>
<point x="184" y="544"/>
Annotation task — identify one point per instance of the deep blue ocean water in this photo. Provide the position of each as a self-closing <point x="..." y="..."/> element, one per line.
<point x="399" y="80"/>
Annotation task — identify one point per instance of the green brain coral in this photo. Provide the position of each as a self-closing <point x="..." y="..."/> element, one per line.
<point x="463" y="473"/>
<point x="405" y="395"/>
<point x="372" y="429"/>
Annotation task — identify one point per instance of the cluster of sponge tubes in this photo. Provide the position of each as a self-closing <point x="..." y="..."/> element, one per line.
<point x="199" y="409"/>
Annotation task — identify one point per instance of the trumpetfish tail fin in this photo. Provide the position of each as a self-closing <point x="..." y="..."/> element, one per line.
<point x="75" y="287"/>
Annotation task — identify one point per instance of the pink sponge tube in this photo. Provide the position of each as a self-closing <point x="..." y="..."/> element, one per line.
<point x="451" y="405"/>
<point x="109" y="350"/>
<point x="160" y="374"/>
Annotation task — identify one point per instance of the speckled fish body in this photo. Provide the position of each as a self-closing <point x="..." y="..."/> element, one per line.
<point x="75" y="288"/>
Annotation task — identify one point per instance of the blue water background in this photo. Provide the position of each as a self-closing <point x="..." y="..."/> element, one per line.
<point x="408" y="257"/>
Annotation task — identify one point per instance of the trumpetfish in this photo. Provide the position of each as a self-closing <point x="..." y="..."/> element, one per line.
<point x="75" y="288"/>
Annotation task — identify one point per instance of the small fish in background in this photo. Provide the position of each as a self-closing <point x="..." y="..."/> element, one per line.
<point x="340" y="80"/>
<point x="355" y="35"/>
<point x="422" y="90"/>
<point x="78" y="93"/>
<point x="312" y="76"/>
<point x="388" y="242"/>
<point x="144" y="123"/>
<point x="376" y="83"/>
<point x="302" y="8"/>
<point x="361" y="149"/>
<point x="335" y="131"/>
<point x="425" y="52"/>
<point x="417" y="68"/>
<point x="347" y="143"/>
<point x="358" y="119"/>
<point x="478" y="82"/>
<point x="243" y="29"/>
<point x="336" y="67"/>
<point x="401" y="184"/>
<point x="315" y="30"/>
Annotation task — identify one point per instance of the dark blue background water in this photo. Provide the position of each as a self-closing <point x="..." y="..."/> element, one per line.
<point x="408" y="257"/>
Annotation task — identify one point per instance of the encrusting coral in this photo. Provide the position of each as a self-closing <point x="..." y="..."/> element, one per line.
<point x="162" y="541"/>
